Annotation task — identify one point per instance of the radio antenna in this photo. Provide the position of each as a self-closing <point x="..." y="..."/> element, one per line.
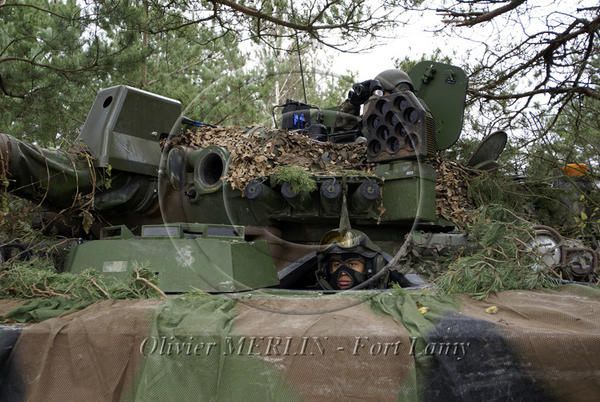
<point x="299" y="56"/>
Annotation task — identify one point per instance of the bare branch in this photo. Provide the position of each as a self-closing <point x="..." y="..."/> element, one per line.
<point x="469" y="19"/>
<point x="252" y="12"/>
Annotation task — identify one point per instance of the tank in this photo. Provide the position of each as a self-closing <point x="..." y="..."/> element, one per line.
<point x="191" y="203"/>
<point x="153" y="188"/>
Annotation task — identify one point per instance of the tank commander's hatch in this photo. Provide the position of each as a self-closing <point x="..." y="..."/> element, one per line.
<point x="488" y="151"/>
<point x="300" y="274"/>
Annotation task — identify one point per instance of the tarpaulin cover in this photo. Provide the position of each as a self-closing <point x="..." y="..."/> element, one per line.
<point x="390" y="345"/>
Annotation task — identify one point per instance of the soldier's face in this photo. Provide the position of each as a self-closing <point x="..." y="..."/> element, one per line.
<point x="344" y="281"/>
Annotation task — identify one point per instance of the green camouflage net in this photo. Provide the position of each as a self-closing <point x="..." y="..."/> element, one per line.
<point x="218" y="374"/>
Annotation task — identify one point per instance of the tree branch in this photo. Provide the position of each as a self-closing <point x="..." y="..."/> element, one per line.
<point x="473" y="18"/>
<point x="309" y="27"/>
<point x="44" y="10"/>
<point x="552" y="91"/>
<point x="3" y="88"/>
<point x="47" y="66"/>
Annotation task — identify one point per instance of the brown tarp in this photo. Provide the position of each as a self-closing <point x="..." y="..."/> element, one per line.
<point x="553" y="337"/>
<point x="557" y="333"/>
<point x="90" y="355"/>
<point x="7" y="305"/>
<point x="342" y="365"/>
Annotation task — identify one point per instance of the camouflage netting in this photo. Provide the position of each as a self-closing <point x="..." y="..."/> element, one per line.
<point x="452" y="192"/>
<point x="259" y="152"/>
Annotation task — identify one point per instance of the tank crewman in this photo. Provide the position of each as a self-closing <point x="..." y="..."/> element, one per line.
<point x="394" y="80"/>
<point x="347" y="259"/>
<point x="349" y="119"/>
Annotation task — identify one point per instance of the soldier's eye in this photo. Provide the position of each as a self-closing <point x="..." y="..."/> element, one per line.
<point x="356" y="265"/>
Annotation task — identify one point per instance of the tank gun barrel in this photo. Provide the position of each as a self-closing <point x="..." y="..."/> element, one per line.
<point x="117" y="164"/>
<point x="60" y="179"/>
<point x="54" y="177"/>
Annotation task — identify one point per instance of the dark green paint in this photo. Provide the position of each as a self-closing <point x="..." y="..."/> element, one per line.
<point x="183" y="262"/>
<point x="124" y="126"/>
<point x="409" y="191"/>
<point x="443" y="87"/>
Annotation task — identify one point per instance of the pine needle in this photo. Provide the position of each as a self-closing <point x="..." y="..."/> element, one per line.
<point x="503" y="261"/>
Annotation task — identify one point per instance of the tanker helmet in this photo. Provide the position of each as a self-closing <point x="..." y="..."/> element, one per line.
<point x="391" y="80"/>
<point x="348" y="258"/>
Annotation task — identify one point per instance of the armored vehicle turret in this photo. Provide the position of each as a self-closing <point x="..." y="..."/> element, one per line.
<point x="170" y="193"/>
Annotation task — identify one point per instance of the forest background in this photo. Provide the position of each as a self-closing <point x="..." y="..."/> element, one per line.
<point x="533" y="66"/>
